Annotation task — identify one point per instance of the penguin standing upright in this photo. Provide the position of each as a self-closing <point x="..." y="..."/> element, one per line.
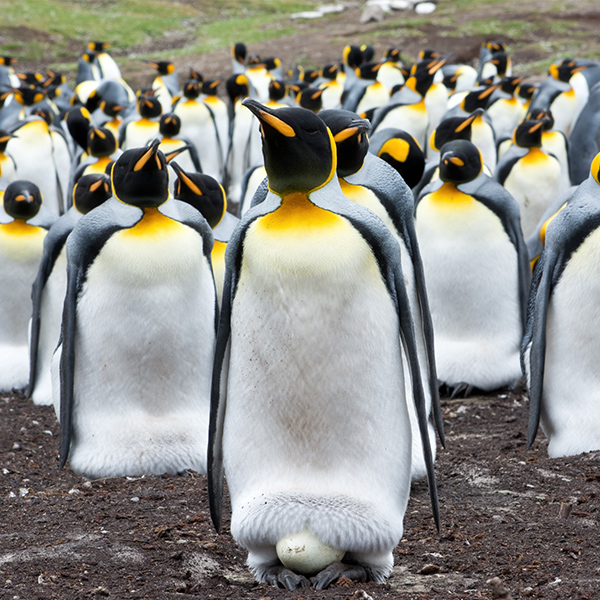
<point x="532" y="176"/>
<point x="313" y="293"/>
<point x="138" y="329"/>
<point x="476" y="271"/>
<point x="50" y="285"/>
<point x="21" y="245"/>
<point x="505" y="110"/>
<point x="561" y="345"/>
<point x="106" y="64"/>
<point x="139" y="131"/>
<point x="166" y="83"/>
<point x="220" y="112"/>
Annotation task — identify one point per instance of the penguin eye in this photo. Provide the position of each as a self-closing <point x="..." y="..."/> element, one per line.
<point x="311" y="131"/>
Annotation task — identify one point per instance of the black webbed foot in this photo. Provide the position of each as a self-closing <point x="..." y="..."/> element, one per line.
<point x="336" y="570"/>
<point x="282" y="577"/>
<point x="459" y="388"/>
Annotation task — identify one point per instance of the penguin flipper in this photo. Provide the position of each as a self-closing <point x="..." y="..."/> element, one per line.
<point x="538" y="311"/>
<point x="53" y="244"/>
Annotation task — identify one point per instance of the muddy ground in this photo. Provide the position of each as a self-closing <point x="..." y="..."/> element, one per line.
<point x="507" y="512"/>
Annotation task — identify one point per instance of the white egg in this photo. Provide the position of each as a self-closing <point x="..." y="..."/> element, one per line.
<point x="306" y="554"/>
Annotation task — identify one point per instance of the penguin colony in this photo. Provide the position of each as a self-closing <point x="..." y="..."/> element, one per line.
<point x="272" y="288"/>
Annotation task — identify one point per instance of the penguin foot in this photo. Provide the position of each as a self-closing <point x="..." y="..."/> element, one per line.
<point x="336" y="570"/>
<point x="282" y="577"/>
<point x="459" y="388"/>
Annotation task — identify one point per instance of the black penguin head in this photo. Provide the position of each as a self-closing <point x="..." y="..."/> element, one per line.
<point x="203" y="192"/>
<point x="140" y="176"/>
<point x="460" y="161"/>
<point x="565" y="69"/>
<point x="237" y="86"/>
<point x="526" y="91"/>
<point x="311" y="99"/>
<point x="298" y="148"/>
<point x="509" y="84"/>
<point x="402" y="152"/>
<point x="99" y="46"/>
<point x="149" y="106"/>
<point x="271" y="63"/>
<point x="368" y="71"/>
<point x="544" y="115"/>
<point x="239" y="52"/>
<point x="350" y="135"/>
<point x="352" y="56"/>
<point x="453" y="128"/>
<point x="164" y="67"/>
<point x="78" y="123"/>
<point x="29" y="95"/>
<point x="310" y="76"/>
<point x="196" y="75"/>
<point x="210" y="87"/>
<point x="22" y="200"/>
<point x="101" y="142"/>
<point x="169" y="125"/>
<point x="423" y="75"/>
<point x="330" y="72"/>
<point x="90" y="191"/>
<point x="45" y="113"/>
<point x="277" y="90"/>
<point x="392" y="54"/>
<point x="192" y="88"/>
<point x="528" y="134"/>
<point x="7" y="61"/>
<point x="478" y="98"/>
<point x="111" y="108"/>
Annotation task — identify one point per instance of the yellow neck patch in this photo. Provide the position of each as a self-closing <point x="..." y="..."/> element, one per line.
<point x="449" y="197"/>
<point x="297" y="214"/>
<point x="19" y="227"/>
<point x="397" y="149"/>
<point x="153" y="223"/>
<point x="534" y="155"/>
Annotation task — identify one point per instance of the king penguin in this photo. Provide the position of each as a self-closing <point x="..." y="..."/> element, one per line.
<point x="207" y="195"/>
<point x="138" y="330"/>
<point x="476" y="272"/>
<point x="313" y="293"/>
<point x="561" y="345"/>
<point x="50" y="285"/>
<point x="21" y="245"/>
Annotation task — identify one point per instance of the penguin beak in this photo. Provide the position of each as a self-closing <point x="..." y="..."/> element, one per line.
<point x="24" y="197"/>
<point x="266" y="116"/>
<point x="466" y="122"/>
<point x="356" y="127"/>
<point x="448" y="157"/>
<point x="169" y="156"/>
<point x="150" y="153"/>
<point x="185" y="179"/>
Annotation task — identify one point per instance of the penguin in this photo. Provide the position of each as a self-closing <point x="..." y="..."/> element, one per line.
<point x="198" y="125"/>
<point x="220" y="112"/>
<point x="21" y="245"/>
<point x="532" y="176"/>
<point x="169" y="129"/>
<point x="476" y="272"/>
<point x="390" y="72"/>
<point x="107" y="67"/>
<point x="113" y="119"/>
<point x="553" y="141"/>
<point x="87" y="69"/>
<point x="134" y="385"/>
<point x="497" y="66"/>
<point x="585" y="138"/>
<point x="42" y="156"/>
<point x="8" y="168"/>
<point x="258" y="77"/>
<point x="207" y="195"/>
<point x="239" y="52"/>
<point x="401" y="151"/>
<point x="504" y="108"/>
<point x="166" y="83"/>
<point x="560" y="345"/>
<point x="50" y="285"/>
<point x="102" y="148"/>
<point x="310" y="98"/>
<point x="138" y="131"/>
<point x="367" y="93"/>
<point x="291" y="265"/>
<point x="332" y="88"/>
<point x="368" y="181"/>
<point x="8" y="77"/>
<point x="459" y="78"/>
<point x="278" y="94"/>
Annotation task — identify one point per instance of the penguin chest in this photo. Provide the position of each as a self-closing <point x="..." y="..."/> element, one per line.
<point x="571" y="382"/>
<point x="412" y="118"/>
<point x="315" y="358"/>
<point x="146" y="313"/>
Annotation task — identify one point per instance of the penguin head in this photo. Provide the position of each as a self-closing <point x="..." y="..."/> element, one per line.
<point x="90" y="191"/>
<point x="298" y="148"/>
<point x="352" y="56"/>
<point x="350" y="135"/>
<point x="526" y="91"/>
<point x="368" y="71"/>
<point x="140" y="176"/>
<point x="330" y="71"/>
<point x="164" y="67"/>
<point x="99" y="46"/>
<point x="544" y="115"/>
<point x="402" y="152"/>
<point x="477" y="98"/>
<point x="22" y="199"/>
<point x="311" y="99"/>
<point x="453" y="128"/>
<point x="169" y="125"/>
<point x="237" y="86"/>
<point x="28" y="95"/>
<point x="239" y="52"/>
<point x="101" y="142"/>
<point x="203" y="192"/>
<point x="192" y="88"/>
<point x="196" y="75"/>
<point x="7" y="61"/>
<point x="277" y="90"/>
<point x="460" y="161"/>
<point x="423" y="74"/>
<point x="310" y="76"/>
<point x="392" y="54"/>
<point x="368" y="52"/>
<point x="45" y="113"/>
<point x="149" y="106"/>
<point x="78" y="122"/>
<point x="210" y="87"/>
<point x="565" y="69"/>
<point x="271" y="63"/>
<point x="528" y="134"/>
<point x="111" y="108"/>
<point x="509" y="84"/>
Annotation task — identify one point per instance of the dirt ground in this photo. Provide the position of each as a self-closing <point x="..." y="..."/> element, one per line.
<point x="507" y="512"/>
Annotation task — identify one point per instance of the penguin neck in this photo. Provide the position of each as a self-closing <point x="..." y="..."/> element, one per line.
<point x="152" y="223"/>
<point x="19" y="227"/>
<point x="297" y="213"/>
<point x="449" y="196"/>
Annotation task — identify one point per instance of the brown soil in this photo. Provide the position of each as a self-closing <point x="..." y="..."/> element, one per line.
<point x="507" y="511"/>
